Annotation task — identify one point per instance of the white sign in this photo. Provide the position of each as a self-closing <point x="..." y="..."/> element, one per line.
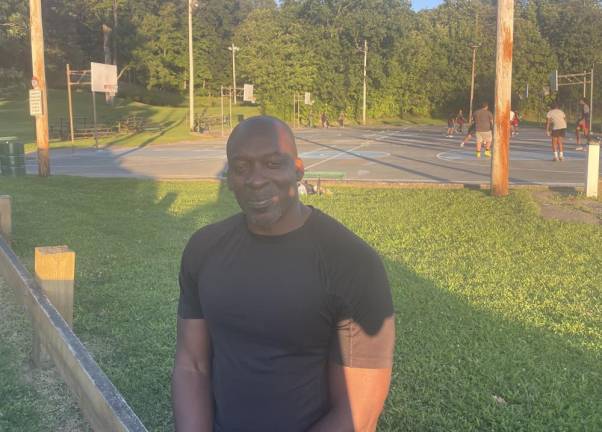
<point x="247" y="94"/>
<point x="104" y="77"/>
<point x="35" y="103"/>
<point x="307" y="98"/>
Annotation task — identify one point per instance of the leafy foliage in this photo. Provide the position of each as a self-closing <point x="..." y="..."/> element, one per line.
<point x="418" y="63"/>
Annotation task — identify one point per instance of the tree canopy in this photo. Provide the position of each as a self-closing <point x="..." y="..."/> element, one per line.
<point x="418" y="62"/>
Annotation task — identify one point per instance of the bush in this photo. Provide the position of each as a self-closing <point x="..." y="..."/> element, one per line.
<point x="139" y="93"/>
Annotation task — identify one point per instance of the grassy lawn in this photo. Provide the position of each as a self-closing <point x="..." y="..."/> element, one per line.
<point x="31" y="399"/>
<point x="499" y="317"/>
<point x="15" y="119"/>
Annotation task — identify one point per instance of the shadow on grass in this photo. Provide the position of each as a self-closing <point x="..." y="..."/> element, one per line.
<point x="565" y="191"/>
<point x="464" y="369"/>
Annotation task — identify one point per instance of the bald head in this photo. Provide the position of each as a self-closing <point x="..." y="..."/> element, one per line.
<point x="265" y="128"/>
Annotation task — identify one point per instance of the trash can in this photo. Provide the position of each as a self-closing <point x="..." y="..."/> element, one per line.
<point x="12" y="157"/>
<point x="240" y="118"/>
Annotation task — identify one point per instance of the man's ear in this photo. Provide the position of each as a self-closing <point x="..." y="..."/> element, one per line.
<point x="299" y="169"/>
<point x="227" y="173"/>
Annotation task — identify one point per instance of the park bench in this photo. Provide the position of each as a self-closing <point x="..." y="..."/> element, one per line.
<point x="101" y="131"/>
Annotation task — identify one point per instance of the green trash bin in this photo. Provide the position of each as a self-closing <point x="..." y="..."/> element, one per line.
<point x="12" y="158"/>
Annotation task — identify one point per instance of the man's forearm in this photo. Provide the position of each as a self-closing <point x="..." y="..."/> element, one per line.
<point x="192" y="401"/>
<point x="337" y="420"/>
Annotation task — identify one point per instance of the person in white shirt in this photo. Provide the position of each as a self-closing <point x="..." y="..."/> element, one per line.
<point x="556" y="128"/>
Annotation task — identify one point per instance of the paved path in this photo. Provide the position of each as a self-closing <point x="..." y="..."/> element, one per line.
<point x="402" y="154"/>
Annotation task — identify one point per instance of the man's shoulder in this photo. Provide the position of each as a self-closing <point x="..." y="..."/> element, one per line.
<point x="334" y="237"/>
<point x="207" y="236"/>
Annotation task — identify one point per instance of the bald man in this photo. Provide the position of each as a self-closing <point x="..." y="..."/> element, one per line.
<point x="285" y="317"/>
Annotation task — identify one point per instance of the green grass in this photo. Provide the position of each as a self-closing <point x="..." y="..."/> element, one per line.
<point x="31" y="399"/>
<point x="499" y="318"/>
<point x="15" y="119"/>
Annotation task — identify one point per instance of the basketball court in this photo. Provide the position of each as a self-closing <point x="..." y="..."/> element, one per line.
<point x="393" y="154"/>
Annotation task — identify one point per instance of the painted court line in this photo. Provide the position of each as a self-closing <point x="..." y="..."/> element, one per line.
<point x="344" y="151"/>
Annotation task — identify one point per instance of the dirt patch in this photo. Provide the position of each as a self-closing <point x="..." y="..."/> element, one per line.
<point x="568" y="205"/>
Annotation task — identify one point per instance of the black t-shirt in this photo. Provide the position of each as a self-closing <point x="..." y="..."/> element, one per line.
<point x="277" y="309"/>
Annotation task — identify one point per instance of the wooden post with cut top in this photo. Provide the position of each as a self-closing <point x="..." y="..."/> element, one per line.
<point x="6" y="217"/>
<point x="39" y="75"/>
<point x="55" y="273"/>
<point x="503" y="89"/>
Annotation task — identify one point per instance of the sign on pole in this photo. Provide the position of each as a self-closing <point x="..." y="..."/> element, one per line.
<point x="307" y="98"/>
<point x="247" y="95"/>
<point x="36" y="107"/>
<point x="104" y="77"/>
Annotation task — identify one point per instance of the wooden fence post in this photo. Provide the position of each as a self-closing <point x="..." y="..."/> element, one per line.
<point x="6" y="217"/>
<point x="55" y="273"/>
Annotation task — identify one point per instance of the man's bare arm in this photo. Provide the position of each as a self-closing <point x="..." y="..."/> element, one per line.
<point x="358" y="394"/>
<point x="357" y="398"/>
<point x="191" y="380"/>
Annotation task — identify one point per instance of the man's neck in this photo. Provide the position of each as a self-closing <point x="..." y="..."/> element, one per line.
<point x="294" y="218"/>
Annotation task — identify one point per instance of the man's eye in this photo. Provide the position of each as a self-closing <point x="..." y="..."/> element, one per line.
<point x="274" y="164"/>
<point x="241" y="168"/>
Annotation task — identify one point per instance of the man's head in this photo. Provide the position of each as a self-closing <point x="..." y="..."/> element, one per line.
<point x="484" y="104"/>
<point x="263" y="171"/>
<point x="583" y="101"/>
<point x="555" y="105"/>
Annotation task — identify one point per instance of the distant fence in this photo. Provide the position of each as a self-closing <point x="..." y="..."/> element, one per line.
<point x="102" y="405"/>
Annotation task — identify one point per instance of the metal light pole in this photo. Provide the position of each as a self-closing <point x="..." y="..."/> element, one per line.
<point x="503" y="89"/>
<point x="191" y="4"/>
<point x="474" y="57"/>
<point x="234" y="49"/>
<point x="591" y="101"/>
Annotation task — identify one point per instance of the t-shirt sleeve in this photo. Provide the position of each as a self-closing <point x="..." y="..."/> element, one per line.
<point x="365" y="326"/>
<point x="189" y="304"/>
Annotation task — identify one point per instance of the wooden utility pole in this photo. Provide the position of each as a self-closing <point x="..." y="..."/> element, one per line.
<point x="71" y="132"/>
<point x="190" y="68"/>
<point x="365" y="63"/>
<point x="39" y="77"/>
<point x="114" y="38"/>
<point x="503" y="89"/>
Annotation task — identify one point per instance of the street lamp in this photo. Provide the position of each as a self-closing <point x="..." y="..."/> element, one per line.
<point x="234" y="49"/>
<point x="191" y="4"/>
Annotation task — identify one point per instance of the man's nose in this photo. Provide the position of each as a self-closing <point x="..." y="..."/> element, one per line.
<point x="256" y="179"/>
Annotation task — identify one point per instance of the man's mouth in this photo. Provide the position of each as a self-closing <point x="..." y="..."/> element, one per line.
<point x="259" y="204"/>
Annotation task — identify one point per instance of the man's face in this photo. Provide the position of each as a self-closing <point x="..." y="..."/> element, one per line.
<point x="263" y="172"/>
